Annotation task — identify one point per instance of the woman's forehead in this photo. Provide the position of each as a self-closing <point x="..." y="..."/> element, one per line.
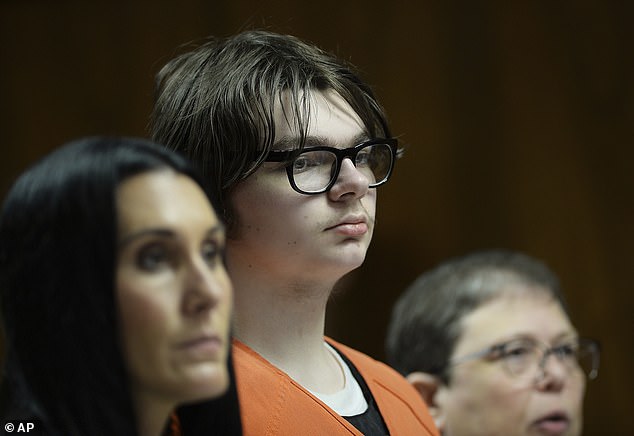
<point x="530" y="314"/>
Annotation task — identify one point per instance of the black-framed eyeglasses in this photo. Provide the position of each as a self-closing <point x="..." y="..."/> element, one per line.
<point x="315" y="170"/>
<point x="526" y="357"/>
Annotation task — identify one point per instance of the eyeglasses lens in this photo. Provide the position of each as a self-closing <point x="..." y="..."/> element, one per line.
<point x="313" y="171"/>
<point x="523" y="359"/>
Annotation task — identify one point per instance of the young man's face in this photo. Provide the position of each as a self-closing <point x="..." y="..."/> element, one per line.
<point x="483" y="399"/>
<point x="308" y="238"/>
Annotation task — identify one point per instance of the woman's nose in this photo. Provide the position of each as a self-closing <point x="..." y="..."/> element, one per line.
<point x="203" y="287"/>
<point x="552" y="373"/>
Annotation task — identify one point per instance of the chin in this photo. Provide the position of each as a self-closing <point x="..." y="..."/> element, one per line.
<point x="206" y="383"/>
<point x="208" y="386"/>
<point x="218" y="388"/>
<point x="348" y="263"/>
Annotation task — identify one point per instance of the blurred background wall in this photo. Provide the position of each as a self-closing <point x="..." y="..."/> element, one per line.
<point x="518" y="115"/>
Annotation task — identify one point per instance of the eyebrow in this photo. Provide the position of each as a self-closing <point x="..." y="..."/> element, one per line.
<point x="163" y="233"/>
<point x="564" y="335"/>
<point x="286" y="143"/>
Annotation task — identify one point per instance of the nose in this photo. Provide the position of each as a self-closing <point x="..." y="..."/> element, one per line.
<point x="350" y="184"/>
<point x="552" y="374"/>
<point x="203" y="287"/>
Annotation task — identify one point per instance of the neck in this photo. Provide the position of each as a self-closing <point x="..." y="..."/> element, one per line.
<point x="278" y="320"/>
<point x="152" y="415"/>
<point x="283" y="320"/>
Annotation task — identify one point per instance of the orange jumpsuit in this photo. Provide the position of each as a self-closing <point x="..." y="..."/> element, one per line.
<point x="272" y="403"/>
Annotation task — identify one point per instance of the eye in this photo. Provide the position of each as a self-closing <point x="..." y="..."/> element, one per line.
<point x="566" y="351"/>
<point x="364" y="157"/>
<point x="300" y="164"/>
<point x="305" y="162"/>
<point x="211" y="252"/>
<point x="152" y="257"/>
<point x="312" y="159"/>
<point x="517" y="351"/>
<point x="517" y="356"/>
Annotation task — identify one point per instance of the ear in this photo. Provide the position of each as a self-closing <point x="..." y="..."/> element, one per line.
<point x="428" y="386"/>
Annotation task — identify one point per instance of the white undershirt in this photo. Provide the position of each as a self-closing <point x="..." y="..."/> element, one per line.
<point x="349" y="401"/>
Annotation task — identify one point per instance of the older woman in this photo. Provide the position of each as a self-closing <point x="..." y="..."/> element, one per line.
<point x="488" y="343"/>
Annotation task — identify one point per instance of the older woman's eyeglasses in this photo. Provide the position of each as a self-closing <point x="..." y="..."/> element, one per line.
<point x="526" y="358"/>
<point x="315" y="170"/>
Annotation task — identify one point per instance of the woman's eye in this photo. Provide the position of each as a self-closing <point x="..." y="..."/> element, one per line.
<point x="566" y="351"/>
<point x="211" y="252"/>
<point x="516" y="352"/>
<point x="152" y="257"/>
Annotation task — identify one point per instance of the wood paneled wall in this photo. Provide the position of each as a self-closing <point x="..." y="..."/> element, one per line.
<point x="518" y="115"/>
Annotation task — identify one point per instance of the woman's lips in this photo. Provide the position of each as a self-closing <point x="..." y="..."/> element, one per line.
<point x="552" y="424"/>
<point x="203" y="348"/>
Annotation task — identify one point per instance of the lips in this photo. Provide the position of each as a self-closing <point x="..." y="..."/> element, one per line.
<point x="204" y="347"/>
<point x="351" y="226"/>
<point x="555" y="423"/>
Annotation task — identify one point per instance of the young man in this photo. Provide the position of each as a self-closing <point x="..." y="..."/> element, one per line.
<point x="295" y="145"/>
<point x="487" y="342"/>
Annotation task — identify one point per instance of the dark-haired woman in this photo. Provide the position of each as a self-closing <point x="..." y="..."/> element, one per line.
<point x="115" y="299"/>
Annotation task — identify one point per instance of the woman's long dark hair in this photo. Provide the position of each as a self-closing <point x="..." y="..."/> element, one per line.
<point x="58" y="231"/>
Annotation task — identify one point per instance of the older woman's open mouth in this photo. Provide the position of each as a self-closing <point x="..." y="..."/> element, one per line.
<point x="555" y="423"/>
